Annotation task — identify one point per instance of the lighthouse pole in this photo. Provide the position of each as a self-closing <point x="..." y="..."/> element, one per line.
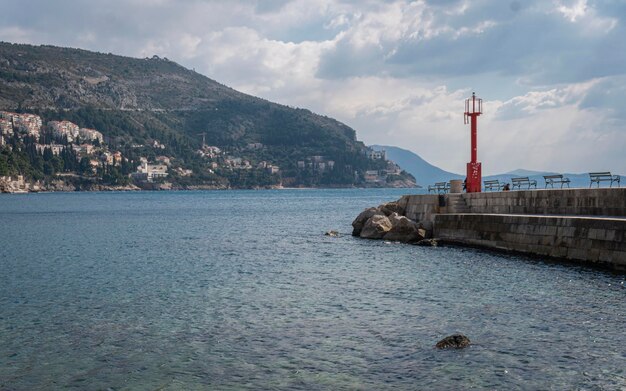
<point x="473" y="108"/>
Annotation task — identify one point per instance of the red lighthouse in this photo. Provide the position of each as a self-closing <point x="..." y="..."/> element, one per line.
<point x="473" y="108"/>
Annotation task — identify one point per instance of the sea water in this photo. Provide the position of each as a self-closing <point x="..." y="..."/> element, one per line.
<point x="232" y="290"/>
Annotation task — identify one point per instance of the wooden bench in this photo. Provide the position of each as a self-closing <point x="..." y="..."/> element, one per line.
<point x="518" y="182"/>
<point x="598" y="177"/>
<point x="494" y="185"/>
<point x="552" y="179"/>
<point x="439" y="187"/>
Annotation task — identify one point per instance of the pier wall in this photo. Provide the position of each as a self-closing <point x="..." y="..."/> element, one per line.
<point x="586" y="239"/>
<point x="587" y="225"/>
<point x="576" y="202"/>
<point x="421" y="208"/>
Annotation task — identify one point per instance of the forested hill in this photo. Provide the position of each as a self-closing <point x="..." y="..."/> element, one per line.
<point x="154" y="101"/>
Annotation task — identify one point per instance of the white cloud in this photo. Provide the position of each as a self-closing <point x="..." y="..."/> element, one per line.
<point x="254" y="64"/>
<point x="532" y="102"/>
<point x="573" y="11"/>
<point x="581" y="13"/>
<point x="563" y="139"/>
<point x="16" y="34"/>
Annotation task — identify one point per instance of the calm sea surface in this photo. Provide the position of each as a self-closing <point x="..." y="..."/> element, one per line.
<point x="239" y="290"/>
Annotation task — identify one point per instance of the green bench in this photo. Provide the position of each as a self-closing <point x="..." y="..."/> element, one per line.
<point x="552" y="179"/>
<point x="597" y="177"/>
<point x="439" y="187"/>
<point x="493" y="185"/>
<point x="523" y="181"/>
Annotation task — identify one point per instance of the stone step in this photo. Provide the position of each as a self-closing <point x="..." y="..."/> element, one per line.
<point x="457" y="204"/>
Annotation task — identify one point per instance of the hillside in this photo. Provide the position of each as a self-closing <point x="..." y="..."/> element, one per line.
<point x="424" y="172"/>
<point x="140" y="103"/>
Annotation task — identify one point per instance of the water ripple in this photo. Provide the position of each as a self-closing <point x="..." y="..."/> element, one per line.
<point x="241" y="290"/>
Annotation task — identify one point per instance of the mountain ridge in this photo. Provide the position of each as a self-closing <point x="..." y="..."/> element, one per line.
<point x="155" y="101"/>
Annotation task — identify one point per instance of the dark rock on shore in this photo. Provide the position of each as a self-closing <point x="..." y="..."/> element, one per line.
<point x="391" y="207"/>
<point x="428" y="243"/>
<point x="361" y="219"/>
<point x="457" y="341"/>
<point x="376" y="227"/>
<point x="387" y="221"/>
<point x="404" y="230"/>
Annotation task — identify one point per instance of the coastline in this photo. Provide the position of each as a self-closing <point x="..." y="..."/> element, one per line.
<point x="134" y="188"/>
<point x="63" y="187"/>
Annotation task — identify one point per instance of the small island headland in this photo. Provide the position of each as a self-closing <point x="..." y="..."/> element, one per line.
<point x="582" y="225"/>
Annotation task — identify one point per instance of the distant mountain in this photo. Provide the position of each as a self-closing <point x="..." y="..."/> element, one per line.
<point x="424" y="172"/>
<point x="427" y="174"/>
<point x="520" y="172"/>
<point x="154" y="101"/>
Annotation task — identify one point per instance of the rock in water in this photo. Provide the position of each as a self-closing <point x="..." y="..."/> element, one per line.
<point x="457" y="341"/>
<point x="388" y="222"/>
<point x="332" y="233"/>
<point x="390" y="208"/>
<point x="403" y="230"/>
<point x="376" y="227"/>
<point x="428" y="243"/>
<point x="361" y="219"/>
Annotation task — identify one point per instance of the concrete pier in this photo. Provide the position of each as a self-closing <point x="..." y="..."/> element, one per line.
<point x="584" y="225"/>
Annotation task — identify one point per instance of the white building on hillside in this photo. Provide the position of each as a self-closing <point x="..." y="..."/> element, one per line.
<point x="90" y="135"/>
<point x="376" y="155"/>
<point x="150" y="172"/>
<point x="65" y="129"/>
<point x="55" y="148"/>
<point x="25" y="124"/>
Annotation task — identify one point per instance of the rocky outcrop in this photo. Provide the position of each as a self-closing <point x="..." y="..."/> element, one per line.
<point x="361" y="219"/>
<point x="404" y="230"/>
<point x="59" y="185"/>
<point x="387" y="221"/>
<point x="376" y="227"/>
<point x="457" y="341"/>
<point x="392" y="207"/>
<point x="402" y="183"/>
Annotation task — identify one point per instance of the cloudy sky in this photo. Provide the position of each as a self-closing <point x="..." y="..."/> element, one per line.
<point x="552" y="73"/>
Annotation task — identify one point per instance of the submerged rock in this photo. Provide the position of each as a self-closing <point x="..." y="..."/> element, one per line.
<point x="428" y="243"/>
<point x="376" y="227"/>
<point x="457" y="341"/>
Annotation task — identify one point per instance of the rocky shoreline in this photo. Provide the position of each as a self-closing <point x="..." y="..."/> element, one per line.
<point x="72" y="183"/>
<point x="21" y="187"/>
<point x="388" y="222"/>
